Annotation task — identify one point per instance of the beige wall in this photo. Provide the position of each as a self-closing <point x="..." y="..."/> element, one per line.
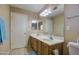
<point x="4" y="13"/>
<point x="58" y="25"/>
<point x="71" y="21"/>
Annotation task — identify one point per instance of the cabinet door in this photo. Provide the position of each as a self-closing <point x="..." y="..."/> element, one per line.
<point x="39" y="47"/>
<point x="34" y="44"/>
<point x="45" y="49"/>
<point x="19" y="30"/>
<point x="29" y="45"/>
<point x="59" y="47"/>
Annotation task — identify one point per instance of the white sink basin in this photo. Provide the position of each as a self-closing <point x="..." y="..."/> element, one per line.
<point x="44" y="37"/>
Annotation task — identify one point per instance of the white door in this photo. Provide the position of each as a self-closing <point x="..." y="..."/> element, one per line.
<point x="19" y="30"/>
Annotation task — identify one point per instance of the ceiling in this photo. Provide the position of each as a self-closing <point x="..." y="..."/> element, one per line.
<point x="38" y="7"/>
<point x="59" y="10"/>
<point x="32" y="7"/>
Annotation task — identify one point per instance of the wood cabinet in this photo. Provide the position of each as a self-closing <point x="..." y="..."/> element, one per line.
<point x="42" y="48"/>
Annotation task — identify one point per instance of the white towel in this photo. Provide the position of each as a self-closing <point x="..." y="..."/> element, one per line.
<point x="2" y="28"/>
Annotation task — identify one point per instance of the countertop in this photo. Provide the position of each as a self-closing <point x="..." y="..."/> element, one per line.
<point x="56" y="39"/>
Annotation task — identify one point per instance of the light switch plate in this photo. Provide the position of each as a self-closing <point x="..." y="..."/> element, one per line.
<point x="67" y="28"/>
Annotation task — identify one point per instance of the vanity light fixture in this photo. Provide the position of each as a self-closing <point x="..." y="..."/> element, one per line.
<point x="45" y="12"/>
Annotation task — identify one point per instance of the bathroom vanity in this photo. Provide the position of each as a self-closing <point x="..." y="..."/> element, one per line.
<point x="44" y="46"/>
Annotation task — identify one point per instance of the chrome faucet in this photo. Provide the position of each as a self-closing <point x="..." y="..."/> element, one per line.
<point x="51" y="37"/>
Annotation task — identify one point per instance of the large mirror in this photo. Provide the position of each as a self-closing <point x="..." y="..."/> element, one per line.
<point x="37" y="25"/>
<point x="40" y="25"/>
<point x="34" y="25"/>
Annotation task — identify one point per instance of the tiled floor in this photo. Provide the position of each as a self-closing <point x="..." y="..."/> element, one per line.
<point x="20" y="51"/>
